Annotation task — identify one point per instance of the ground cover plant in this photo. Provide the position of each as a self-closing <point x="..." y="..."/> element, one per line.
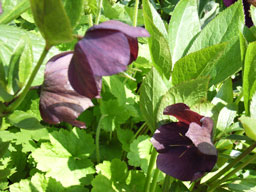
<point x="127" y="95"/>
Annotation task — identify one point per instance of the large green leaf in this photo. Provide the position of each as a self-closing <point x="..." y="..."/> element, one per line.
<point x="10" y="35"/>
<point x="249" y="75"/>
<point x="66" y="157"/>
<point x="151" y="92"/>
<point x="52" y="20"/>
<point x="13" y="9"/>
<point x="74" y="10"/>
<point x="249" y="125"/>
<point x="198" y="64"/>
<point x="225" y="27"/>
<point x="253" y="14"/>
<point x="183" y="27"/>
<point x="190" y="92"/>
<point x="158" y="44"/>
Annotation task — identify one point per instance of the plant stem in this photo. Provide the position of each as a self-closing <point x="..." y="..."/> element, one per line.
<point x="138" y="131"/>
<point x="242" y="165"/>
<point x="25" y="90"/>
<point x="135" y="16"/>
<point x="154" y="182"/>
<point x="167" y="182"/>
<point x="150" y="169"/>
<point x="234" y="162"/>
<point x="97" y="139"/>
<point x="99" y="12"/>
<point x="90" y="20"/>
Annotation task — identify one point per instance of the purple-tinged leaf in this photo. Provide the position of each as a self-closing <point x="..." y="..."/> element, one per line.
<point x="58" y="100"/>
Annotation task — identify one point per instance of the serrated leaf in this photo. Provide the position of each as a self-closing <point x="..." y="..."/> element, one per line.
<point x="52" y="21"/>
<point x="66" y="157"/>
<point x="152" y="89"/>
<point x="125" y="136"/>
<point x="13" y="9"/>
<point x="198" y="64"/>
<point x="191" y="92"/>
<point x="249" y="125"/>
<point x="183" y="27"/>
<point x="140" y="152"/>
<point x="249" y="75"/>
<point x="158" y="44"/>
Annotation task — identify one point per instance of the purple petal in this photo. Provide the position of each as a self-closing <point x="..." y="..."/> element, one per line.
<point x="1" y="8"/>
<point x="122" y="27"/>
<point x="58" y="100"/>
<point x="169" y="135"/>
<point x="248" y="19"/>
<point x="185" y="164"/>
<point x="201" y="136"/>
<point x="183" y="113"/>
<point x="227" y="3"/>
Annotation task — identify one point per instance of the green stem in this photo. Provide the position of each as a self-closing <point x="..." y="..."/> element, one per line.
<point x="135" y="16"/>
<point x="167" y="182"/>
<point x="99" y="12"/>
<point x="90" y="20"/>
<point x="97" y="139"/>
<point x="150" y="169"/>
<point x="241" y="166"/>
<point x="139" y="130"/>
<point x="26" y="89"/>
<point x="234" y="162"/>
<point x="154" y="182"/>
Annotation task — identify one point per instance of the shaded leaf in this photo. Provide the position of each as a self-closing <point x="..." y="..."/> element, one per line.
<point x="249" y="125"/>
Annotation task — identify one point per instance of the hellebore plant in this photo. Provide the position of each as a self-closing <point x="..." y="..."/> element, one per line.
<point x="185" y="147"/>
<point x="73" y="78"/>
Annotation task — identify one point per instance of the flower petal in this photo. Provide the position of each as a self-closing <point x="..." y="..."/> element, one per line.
<point x="58" y="100"/>
<point x="185" y="164"/>
<point x="183" y="113"/>
<point x="201" y="136"/>
<point x="227" y="3"/>
<point x="169" y="135"/>
<point x="122" y="27"/>
<point x="1" y="8"/>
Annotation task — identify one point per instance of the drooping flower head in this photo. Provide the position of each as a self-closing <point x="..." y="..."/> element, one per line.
<point x="73" y="78"/>
<point x="185" y="147"/>
<point x="106" y="49"/>
<point x="59" y="102"/>
<point x="246" y="4"/>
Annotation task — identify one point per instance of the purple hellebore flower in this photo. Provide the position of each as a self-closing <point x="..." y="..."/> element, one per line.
<point x="106" y="49"/>
<point x="1" y="8"/>
<point x="59" y="102"/>
<point x="246" y="4"/>
<point x="185" y="148"/>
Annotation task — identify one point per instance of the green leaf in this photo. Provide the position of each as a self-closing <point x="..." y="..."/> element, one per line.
<point x="249" y="125"/>
<point x="74" y="10"/>
<point x="198" y="64"/>
<point x="226" y="116"/>
<point x="253" y="106"/>
<point x="4" y="95"/>
<point x="183" y="27"/>
<point x="244" y="185"/>
<point x="101" y="183"/>
<point x="152" y="89"/>
<point x="13" y="9"/>
<point x="66" y="157"/>
<point x="253" y="14"/>
<point x="3" y="148"/>
<point x="178" y="186"/>
<point x="93" y="6"/>
<point x="13" y="79"/>
<point x="140" y="152"/>
<point x="225" y="93"/>
<point x="52" y="20"/>
<point x="158" y="44"/>
<point x="249" y="75"/>
<point x="191" y="92"/>
<point x="125" y="136"/>
<point x="10" y="35"/>
<point x="225" y="26"/>
<point x="24" y="120"/>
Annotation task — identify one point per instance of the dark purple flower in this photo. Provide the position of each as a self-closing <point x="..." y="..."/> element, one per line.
<point x="1" y="8"/>
<point x="185" y="148"/>
<point x="106" y="49"/>
<point x="246" y="4"/>
<point x="59" y="102"/>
